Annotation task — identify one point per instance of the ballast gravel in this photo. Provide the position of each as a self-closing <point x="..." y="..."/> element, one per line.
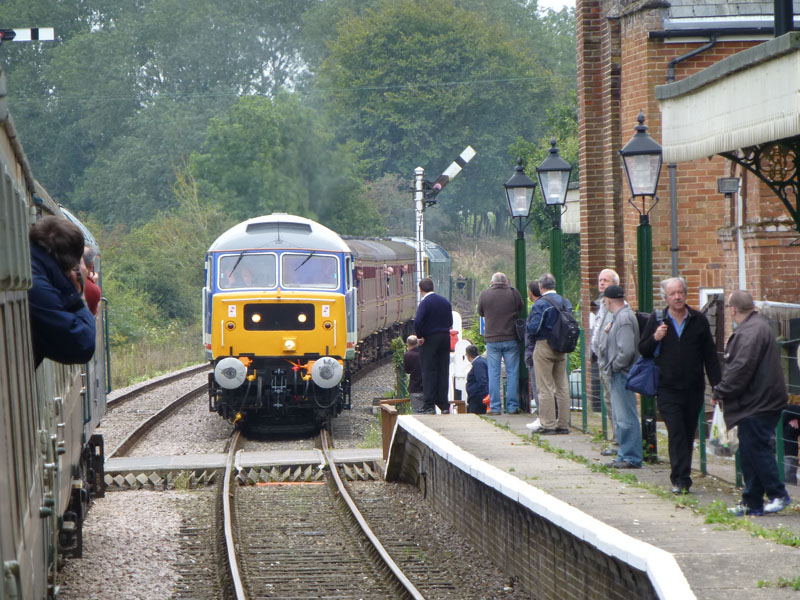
<point x="135" y="542"/>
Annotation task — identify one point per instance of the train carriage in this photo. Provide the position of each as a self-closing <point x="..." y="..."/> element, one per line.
<point x="51" y="461"/>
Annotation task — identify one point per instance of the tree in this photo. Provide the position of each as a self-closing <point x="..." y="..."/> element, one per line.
<point x="270" y="155"/>
<point x="416" y="81"/>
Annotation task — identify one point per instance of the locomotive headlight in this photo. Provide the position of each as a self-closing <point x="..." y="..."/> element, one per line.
<point x="302" y="318"/>
<point x="255" y="318"/>
<point x="230" y="373"/>
<point x="327" y="324"/>
<point x="230" y="325"/>
<point x="289" y="346"/>
<point x="326" y="372"/>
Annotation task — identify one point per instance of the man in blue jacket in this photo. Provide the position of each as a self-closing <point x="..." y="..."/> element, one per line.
<point x="62" y="328"/>
<point x="477" y="381"/>
<point x="549" y="366"/>
<point x="432" y="324"/>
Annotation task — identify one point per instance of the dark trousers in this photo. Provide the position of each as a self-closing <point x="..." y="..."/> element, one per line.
<point x="435" y="355"/>
<point x="680" y="410"/>
<point x="759" y="468"/>
<point x="475" y="404"/>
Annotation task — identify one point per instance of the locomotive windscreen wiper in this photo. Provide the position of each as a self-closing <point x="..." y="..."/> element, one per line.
<point x="308" y="258"/>
<point x="236" y="264"/>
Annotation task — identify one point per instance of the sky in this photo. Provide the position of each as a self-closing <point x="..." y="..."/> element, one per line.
<point x="556" y="4"/>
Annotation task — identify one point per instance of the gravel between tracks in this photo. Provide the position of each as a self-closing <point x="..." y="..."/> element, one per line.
<point x="135" y="544"/>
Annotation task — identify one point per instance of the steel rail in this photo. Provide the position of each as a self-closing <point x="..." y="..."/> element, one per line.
<point x="156" y="383"/>
<point x="145" y="426"/>
<point x="409" y="588"/>
<point x="230" y="547"/>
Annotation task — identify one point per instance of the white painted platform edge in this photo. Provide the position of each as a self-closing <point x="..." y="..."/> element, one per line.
<point x="661" y="567"/>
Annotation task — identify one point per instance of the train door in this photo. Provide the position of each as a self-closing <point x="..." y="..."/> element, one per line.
<point x="351" y="308"/>
<point x="207" y="307"/>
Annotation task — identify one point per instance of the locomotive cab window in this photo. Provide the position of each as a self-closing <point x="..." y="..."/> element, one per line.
<point x="239" y="271"/>
<point x="309" y="270"/>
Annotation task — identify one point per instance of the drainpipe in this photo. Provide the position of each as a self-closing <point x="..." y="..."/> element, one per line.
<point x="673" y="199"/>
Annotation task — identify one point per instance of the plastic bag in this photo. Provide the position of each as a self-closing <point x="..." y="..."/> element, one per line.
<point x="721" y="441"/>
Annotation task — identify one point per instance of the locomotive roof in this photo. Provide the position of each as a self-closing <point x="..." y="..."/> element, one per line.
<point x="279" y="231"/>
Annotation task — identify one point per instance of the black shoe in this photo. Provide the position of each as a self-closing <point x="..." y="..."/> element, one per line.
<point x="547" y="431"/>
<point x="562" y="430"/>
<point x="512" y="412"/>
<point x="679" y="489"/>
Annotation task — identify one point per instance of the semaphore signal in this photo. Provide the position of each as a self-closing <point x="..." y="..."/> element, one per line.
<point x="27" y="34"/>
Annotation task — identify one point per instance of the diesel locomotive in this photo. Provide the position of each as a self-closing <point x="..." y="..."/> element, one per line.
<point x="51" y="457"/>
<point x="292" y="309"/>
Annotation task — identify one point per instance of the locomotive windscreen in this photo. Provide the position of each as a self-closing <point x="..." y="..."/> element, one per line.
<point x="278" y="317"/>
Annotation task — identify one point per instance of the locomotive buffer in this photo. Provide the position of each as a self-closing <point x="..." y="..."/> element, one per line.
<point x="425" y="194"/>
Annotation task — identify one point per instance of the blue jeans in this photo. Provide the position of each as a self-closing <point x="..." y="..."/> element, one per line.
<point x="509" y="352"/>
<point x="759" y="468"/>
<point x="626" y="423"/>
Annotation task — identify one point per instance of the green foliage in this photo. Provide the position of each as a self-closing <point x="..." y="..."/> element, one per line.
<point x="418" y="80"/>
<point x="473" y="334"/>
<point x="267" y="155"/>
<point x="400" y="377"/>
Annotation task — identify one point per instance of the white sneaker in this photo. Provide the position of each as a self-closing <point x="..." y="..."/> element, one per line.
<point x="534" y="426"/>
<point x="778" y="504"/>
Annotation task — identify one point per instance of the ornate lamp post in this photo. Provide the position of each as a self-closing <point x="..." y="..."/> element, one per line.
<point x="554" y="174"/>
<point x="519" y="193"/>
<point x="641" y="160"/>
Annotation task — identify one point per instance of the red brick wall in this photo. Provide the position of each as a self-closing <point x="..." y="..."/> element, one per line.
<point x="618" y="69"/>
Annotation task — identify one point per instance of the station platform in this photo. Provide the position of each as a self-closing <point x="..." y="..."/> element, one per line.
<point x="556" y="487"/>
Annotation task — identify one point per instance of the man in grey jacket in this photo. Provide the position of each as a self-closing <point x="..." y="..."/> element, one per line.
<point x="621" y="351"/>
<point x="605" y="278"/>
<point x="752" y="393"/>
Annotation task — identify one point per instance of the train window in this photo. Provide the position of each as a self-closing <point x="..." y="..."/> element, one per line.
<point x="310" y="270"/>
<point x="251" y="270"/>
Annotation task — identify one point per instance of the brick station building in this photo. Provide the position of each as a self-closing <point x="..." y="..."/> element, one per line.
<point x="667" y="58"/>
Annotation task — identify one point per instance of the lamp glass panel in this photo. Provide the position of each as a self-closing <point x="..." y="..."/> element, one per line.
<point x="520" y="201"/>
<point x="554" y="186"/>
<point x="643" y="171"/>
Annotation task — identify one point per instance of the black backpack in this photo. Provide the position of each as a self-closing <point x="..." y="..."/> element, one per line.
<point x="564" y="334"/>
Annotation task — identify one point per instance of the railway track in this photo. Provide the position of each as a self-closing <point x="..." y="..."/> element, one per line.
<point x="304" y="540"/>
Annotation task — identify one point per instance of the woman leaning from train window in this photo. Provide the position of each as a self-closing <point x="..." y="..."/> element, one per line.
<point x="685" y="348"/>
<point x="62" y="328"/>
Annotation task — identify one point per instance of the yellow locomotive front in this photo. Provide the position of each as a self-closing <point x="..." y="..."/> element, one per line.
<point x="279" y="320"/>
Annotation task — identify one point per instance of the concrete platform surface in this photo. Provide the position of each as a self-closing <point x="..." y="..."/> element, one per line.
<point x="721" y="557"/>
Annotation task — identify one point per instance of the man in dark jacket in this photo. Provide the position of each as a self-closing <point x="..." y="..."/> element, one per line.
<point x="500" y="306"/>
<point x="62" y="328"/>
<point x="753" y="394"/>
<point x="432" y="324"/>
<point x="477" y="381"/>
<point x="686" y="349"/>
<point x="413" y="366"/>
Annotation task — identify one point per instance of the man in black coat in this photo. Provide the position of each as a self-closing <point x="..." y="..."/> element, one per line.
<point x="432" y="324"/>
<point x="685" y="349"/>
<point x="753" y="395"/>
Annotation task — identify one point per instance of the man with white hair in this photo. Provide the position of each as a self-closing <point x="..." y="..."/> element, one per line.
<point x="605" y="278"/>
<point x="500" y="306"/>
